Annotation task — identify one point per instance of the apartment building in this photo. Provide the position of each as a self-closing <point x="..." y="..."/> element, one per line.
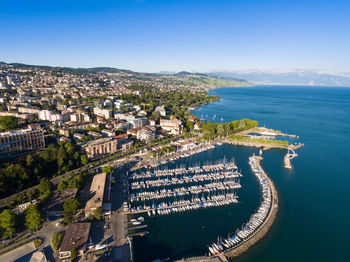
<point x="17" y="141"/>
<point x="100" y="147"/>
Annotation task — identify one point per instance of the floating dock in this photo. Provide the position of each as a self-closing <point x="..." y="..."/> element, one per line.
<point x="166" y="191"/>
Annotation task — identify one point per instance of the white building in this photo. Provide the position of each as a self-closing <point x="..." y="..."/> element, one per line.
<point x="161" y="110"/>
<point x="173" y="126"/>
<point x="48" y="115"/>
<point x="139" y="122"/>
<point x="45" y="115"/>
<point x="106" y="132"/>
<point x="79" y="117"/>
<point x="146" y="134"/>
<point x="106" y="113"/>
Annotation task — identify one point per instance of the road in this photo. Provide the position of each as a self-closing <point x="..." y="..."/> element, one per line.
<point x="19" y="254"/>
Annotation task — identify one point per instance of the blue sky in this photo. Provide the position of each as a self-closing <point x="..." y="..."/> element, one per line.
<point x="203" y="36"/>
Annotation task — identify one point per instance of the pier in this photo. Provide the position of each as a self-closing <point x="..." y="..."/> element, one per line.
<point x="288" y="157"/>
<point x="258" y="225"/>
<point x="138" y="234"/>
<point x="136" y="227"/>
<point x="167" y="191"/>
<point x="264" y="228"/>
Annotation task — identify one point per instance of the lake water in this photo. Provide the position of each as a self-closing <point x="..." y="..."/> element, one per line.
<point x="314" y="196"/>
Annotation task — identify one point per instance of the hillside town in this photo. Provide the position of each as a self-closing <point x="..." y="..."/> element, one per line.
<point x="86" y="109"/>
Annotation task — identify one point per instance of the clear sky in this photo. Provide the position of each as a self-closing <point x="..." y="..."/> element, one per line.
<point x="151" y="36"/>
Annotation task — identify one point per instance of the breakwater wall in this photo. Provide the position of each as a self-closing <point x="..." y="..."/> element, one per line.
<point x="264" y="228"/>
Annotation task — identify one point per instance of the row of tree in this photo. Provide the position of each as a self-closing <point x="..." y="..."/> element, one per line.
<point x="9" y="221"/>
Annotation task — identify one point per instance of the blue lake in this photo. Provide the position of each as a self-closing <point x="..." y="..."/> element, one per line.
<point x="314" y="195"/>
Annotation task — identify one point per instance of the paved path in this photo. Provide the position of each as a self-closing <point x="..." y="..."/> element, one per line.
<point x="18" y="253"/>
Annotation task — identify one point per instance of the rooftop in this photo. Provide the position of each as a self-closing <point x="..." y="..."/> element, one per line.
<point x="76" y="236"/>
<point x="96" y="193"/>
<point x="97" y="141"/>
<point x="18" y="131"/>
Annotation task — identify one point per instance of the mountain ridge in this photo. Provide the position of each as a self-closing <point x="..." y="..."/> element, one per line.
<point x="297" y="77"/>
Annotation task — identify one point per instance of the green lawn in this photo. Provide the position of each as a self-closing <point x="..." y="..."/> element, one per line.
<point x="283" y="143"/>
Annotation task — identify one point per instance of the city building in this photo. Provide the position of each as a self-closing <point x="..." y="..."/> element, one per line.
<point x="139" y="122"/>
<point x="173" y="126"/>
<point x="18" y="141"/>
<point x="79" y="117"/>
<point x="100" y="147"/>
<point x="124" y="143"/>
<point x="106" y="132"/>
<point x="64" y="132"/>
<point x="76" y="236"/>
<point x="78" y="136"/>
<point x="146" y="134"/>
<point x="106" y="113"/>
<point x="48" y="115"/>
<point x="100" y="194"/>
<point x="161" y="110"/>
<point x="197" y="126"/>
<point x="94" y="134"/>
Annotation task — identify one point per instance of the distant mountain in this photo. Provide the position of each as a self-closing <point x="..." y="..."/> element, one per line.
<point x="307" y="78"/>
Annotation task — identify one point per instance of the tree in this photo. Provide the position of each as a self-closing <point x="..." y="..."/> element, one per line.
<point x="98" y="213"/>
<point x="67" y="217"/>
<point x="34" y="219"/>
<point x="62" y="158"/>
<point x="8" y="122"/>
<point x="56" y="240"/>
<point x="18" y="198"/>
<point x="29" y="195"/>
<point x="62" y="185"/>
<point x="84" y="159"/>
<point x="73" y="253"/>
<point x="75" y="182"/>
<point x="9" y="232"/>
<point x="8" y="222"/>
<point x="45" y="185"/>
<point x="7" y="204"/>
<point x="29" y="160"/>
<point x="71" y="205"/>
<point x="14" y="177"/>
<point x="107" y="169"/>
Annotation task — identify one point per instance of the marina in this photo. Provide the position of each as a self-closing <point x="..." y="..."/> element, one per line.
<point x="197" y="224"/>
<point x="167" y="191"/>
